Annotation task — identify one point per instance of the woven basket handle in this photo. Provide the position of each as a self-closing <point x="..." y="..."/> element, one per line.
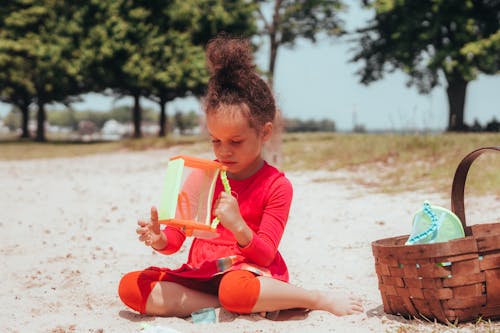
<point x="457" y="188"/>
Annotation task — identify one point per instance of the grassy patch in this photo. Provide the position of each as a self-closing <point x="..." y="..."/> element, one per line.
<point x="422" y="326"/>
<point x="27" y="149"/>
<point x="386" y="162"/>
<point x="397" y="162"/>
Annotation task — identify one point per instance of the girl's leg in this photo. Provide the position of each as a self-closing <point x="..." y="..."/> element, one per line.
<point x="244" y="292"/>
<point x="278" y="295"/>
<point x="147" y="292"/>
<point x="174" y="300"/>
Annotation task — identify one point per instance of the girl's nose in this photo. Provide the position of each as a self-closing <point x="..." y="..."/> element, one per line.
<point x="225" y="151"/>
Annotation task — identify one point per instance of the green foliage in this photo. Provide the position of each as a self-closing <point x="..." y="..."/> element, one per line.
<point x="302" y="19"/>
<point x="424" y="38"/>
<point x="292" y="20"/>
<point x="485" y="52"/>
<point x="430" y="39"/>
<point x="181" y="55"/>
<point x="213" y="16"/>
<point x="51" y="50"/>
<point x="40" y="52"/>
<point x="155" y="48"/>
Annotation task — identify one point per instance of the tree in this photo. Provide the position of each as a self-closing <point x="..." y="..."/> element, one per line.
<point x="39" y="40"/>
<point x="430" y="39"/>
<point x="291" y="20"/>
<point x="116" y="46"/>
<point x="184" y="73"/>
<point x="180" y="51"/>
<point x="15" y="86"/>
<point x="18" y="93"/>
<point x="154" y="48"/>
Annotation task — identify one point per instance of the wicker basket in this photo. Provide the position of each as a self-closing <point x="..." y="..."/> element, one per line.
<point x="453" y="281"/>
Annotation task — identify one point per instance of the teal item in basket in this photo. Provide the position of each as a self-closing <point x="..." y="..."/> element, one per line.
<point x="433" y="224"/>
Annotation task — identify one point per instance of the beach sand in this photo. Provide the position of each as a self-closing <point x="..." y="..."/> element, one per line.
<point x="68" y="235"/>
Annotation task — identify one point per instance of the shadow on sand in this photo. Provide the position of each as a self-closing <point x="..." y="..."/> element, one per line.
<point x="283" y="315"/>
<point x="134" y="316"/>
<point x="226" y="316"/>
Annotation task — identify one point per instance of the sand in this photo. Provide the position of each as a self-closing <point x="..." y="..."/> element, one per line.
<point x="68" y="235"/>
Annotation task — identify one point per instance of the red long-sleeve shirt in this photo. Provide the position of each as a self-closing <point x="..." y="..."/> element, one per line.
<point x="264" y="200"/>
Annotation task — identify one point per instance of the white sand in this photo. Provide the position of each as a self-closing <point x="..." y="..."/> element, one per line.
<point x="68" y="228"/>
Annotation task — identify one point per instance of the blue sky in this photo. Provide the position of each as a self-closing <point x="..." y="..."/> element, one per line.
<point x="317" y="81"/>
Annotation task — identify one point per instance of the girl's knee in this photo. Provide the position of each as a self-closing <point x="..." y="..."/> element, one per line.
<point x="135" y="287"/>
<point x="239" y="291"/>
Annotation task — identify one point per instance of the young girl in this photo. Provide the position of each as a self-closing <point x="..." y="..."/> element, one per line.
<point x="241" y="270"/>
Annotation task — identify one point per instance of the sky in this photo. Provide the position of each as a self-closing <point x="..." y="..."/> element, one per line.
<point x="316" y="81"/>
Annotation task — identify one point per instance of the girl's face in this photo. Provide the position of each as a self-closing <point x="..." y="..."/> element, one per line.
<point x="236" y="145"/>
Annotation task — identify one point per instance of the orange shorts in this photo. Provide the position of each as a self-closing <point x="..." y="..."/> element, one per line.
<point x="238" y="291"/>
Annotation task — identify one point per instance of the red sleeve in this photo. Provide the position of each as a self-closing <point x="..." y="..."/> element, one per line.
<point x="175" y="239"/>
<point x="264" y="245"/>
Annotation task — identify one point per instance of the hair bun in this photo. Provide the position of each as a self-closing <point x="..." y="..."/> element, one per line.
<point x="234" y="81"/>
<point x="229" y="59"/>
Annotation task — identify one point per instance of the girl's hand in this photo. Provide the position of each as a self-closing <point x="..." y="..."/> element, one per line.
<point x="149" y="231"/>
<point x="227" y="210"/>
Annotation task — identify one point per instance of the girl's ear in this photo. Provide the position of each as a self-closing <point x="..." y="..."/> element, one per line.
<point x="267" y="131"/>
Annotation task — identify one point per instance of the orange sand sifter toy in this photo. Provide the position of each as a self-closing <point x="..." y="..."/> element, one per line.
<point x="187" y="196"/>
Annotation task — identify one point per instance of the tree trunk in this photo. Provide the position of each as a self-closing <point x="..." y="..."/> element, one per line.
<point x="272" y="63"/>
<point x="40" y="123"/>
<point x="136" y="116"/>
<point x="25" y="120"/>
<point x="273" y="42"/>
<point x="163" y="118"/>
<point x="272" y="151"/>
<point x="456" y="91"/>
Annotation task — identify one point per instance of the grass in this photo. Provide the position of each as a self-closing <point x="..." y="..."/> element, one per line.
<point x="425" y="326"/>
<point x="385" y="162"/>
<point x="27" y="149"/>
<point x="397" y="162"/>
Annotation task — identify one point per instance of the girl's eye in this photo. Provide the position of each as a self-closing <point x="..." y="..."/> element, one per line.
<point x="235" y="142"/>
<point x="215" y="141"/>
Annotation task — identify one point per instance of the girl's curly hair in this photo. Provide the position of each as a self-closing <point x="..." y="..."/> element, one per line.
<point x="235" y="81"/>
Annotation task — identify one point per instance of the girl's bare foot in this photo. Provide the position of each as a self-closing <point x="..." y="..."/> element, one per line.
<point x="339" y="303"/>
